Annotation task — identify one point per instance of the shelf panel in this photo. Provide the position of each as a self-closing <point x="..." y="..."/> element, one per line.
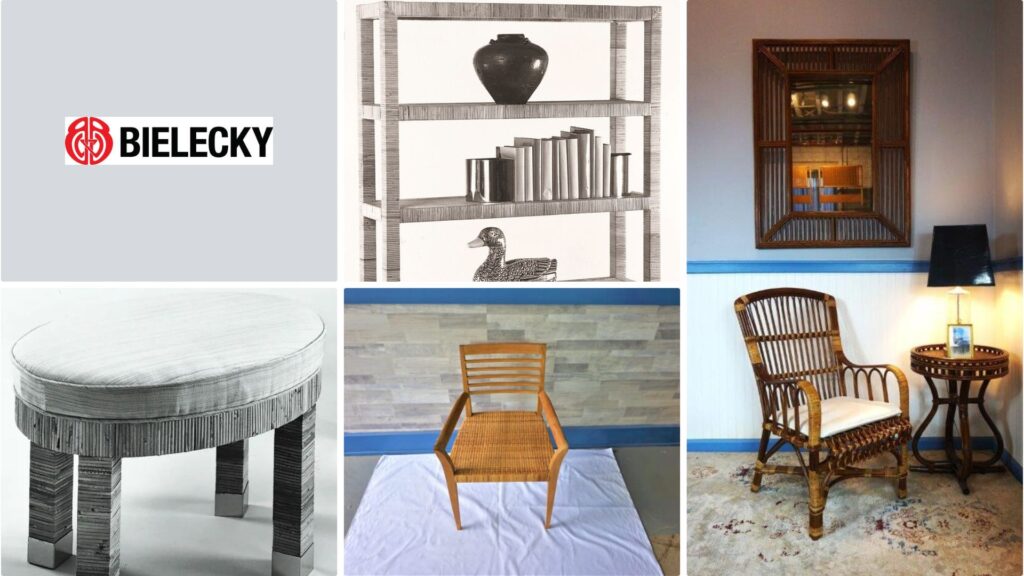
<point x="604" y="279"/>
<point x="492" y="111"/>
<point x="512" y="12"/>
<point x="456" y="208"/>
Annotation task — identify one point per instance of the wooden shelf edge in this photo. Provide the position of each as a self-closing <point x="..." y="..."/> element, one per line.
<point x="513" y="12"/>
<point x="490" y="111"/>
<point x="602" y="279"/>
<point x="455" y="208"/>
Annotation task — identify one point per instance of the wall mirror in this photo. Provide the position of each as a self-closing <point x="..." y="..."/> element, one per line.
<point x="831" y="143"/>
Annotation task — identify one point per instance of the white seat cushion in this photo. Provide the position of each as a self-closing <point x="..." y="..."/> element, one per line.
<point x="182" y="354"/>
<point x="842" y="413"/>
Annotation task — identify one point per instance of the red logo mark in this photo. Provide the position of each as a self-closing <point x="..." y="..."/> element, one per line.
<point x="88" y="140"/>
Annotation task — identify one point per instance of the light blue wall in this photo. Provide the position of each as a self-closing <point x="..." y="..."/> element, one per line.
<point x="1006" y="233"/>
<point x="953" y="83"/>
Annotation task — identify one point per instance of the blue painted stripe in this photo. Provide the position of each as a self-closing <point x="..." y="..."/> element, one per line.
<point x="577" y="296"/>
<point x="927" y="443"/>
<point x="826" y="266"/>
<point x="806" y="266"/>
<point x="1008" y="264"/>
<point x="422" y="441"/>
<point x="1012" y="465"/>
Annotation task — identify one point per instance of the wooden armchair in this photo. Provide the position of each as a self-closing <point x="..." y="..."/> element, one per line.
<point x="502" y="446"/>
<point x="815" y="399"/>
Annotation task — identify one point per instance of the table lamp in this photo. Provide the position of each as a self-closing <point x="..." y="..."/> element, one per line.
<point x="960" y="257"/>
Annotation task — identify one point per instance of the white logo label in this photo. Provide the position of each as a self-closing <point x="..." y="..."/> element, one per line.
<point x="155" y="141"/>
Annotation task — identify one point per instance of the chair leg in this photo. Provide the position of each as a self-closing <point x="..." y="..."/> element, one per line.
<point x="453" y="487"/>
<point x="815" y="504"/>
<point x="552" y="484"/>
<point x="51" y="489"/>
<point x="453" y="493"/>
<point x="903" y="461"/>
<point x="755" y="484"/>
<point x="231" y="497"/>
<point x="99" y="516"/>
<point x="294" y="461"/>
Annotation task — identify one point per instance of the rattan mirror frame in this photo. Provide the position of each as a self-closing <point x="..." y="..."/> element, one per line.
<point x="775" y="64"/>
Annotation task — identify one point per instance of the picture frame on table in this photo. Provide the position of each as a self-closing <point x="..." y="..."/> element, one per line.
<point x="960" y="340"/>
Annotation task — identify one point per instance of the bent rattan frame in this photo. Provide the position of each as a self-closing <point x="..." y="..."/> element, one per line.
<point x="502" y="446"/>
<point x="792" y="339"/>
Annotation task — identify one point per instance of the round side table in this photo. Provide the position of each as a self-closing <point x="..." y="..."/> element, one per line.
<point x="151" y="376"/>
<point x="987" y="364"/>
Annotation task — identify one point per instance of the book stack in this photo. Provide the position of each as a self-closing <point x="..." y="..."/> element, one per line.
<point x="575" y="165"/>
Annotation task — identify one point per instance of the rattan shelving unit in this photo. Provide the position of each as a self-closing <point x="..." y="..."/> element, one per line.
<point x="383" y="209"/>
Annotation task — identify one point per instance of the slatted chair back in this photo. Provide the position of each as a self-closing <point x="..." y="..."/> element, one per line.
<point x="790" y="334"/>
<point x="503" y="368"/>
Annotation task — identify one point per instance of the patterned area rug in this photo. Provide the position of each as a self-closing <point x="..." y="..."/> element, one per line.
<point x="935" y="530"/>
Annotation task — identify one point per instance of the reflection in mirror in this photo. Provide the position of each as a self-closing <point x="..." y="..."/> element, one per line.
<point x="831" y="137"/>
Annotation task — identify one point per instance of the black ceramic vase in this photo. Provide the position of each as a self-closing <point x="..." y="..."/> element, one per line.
<point x="511" y="68"/>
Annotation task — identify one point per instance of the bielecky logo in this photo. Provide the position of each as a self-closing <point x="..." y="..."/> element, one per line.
<point x="88" y="140"/>
<point x="91" y="140"/>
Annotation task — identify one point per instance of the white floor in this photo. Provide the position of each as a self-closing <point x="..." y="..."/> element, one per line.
<point x="404" y="524"/>
<point x="167" y="521"/>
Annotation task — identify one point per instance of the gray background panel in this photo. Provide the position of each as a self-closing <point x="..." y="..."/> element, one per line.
<point x="180" y="58"/>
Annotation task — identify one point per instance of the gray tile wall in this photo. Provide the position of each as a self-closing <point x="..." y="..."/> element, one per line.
<point x="607" y="365"/>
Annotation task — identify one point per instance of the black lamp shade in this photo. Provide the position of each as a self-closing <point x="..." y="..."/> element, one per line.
<point x="960" y="257"/>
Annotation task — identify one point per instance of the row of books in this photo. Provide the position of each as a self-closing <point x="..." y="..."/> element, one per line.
<point x="575" y="165"/>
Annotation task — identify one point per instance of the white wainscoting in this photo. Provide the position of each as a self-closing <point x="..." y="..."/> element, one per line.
<point x="881" y="316"/>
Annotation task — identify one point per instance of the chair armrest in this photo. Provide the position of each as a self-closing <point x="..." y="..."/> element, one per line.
<point x="556" y="429"/>
<point x="553" y="423"/>
<point x="782" y="397"/>
<point x="882" y="371"/>
<point x="449" y="424"/>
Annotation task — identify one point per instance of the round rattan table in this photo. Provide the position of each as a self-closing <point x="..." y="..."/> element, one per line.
<point x="987" y="364"/>
<point x="161" y="375"/>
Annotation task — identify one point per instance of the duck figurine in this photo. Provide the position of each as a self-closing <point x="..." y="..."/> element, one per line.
<point x="496" y="269"/>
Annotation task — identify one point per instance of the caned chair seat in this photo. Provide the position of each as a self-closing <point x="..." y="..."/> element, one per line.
<point x="183" y="355"/>
<point x="843" y="413"/>
<point x="502" y="446"/>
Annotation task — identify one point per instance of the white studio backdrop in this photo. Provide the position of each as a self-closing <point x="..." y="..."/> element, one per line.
<point x="435" y="64"/>
<point x="167" y="520"/>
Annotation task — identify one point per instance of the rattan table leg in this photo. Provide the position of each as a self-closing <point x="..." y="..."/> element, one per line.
<point x="50" y="493"/>
<point x="990" y="465"/>
<point x="232" y="493"/>
<point x="99" y="516"/>
<point x="294" y="459"/>
<point x="929" y="465"/>
<point x="965" y="437"/>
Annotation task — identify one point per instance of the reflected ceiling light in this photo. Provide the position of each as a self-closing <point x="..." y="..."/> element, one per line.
<point x="851" y="100"/>
<point x="824" y="101"/>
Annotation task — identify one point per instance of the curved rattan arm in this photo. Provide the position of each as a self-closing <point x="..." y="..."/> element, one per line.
<point x="449" y="424"/>
<point x="781" y="397"/>
<point x="556" y="431"/>
<point x="865" y="372"/>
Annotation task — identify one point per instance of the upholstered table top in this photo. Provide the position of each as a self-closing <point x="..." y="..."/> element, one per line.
<point x="168" y="356"/>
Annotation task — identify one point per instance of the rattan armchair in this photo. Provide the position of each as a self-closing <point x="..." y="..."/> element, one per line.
<point x="834" y="412"/>
<point x="502" y="446"/>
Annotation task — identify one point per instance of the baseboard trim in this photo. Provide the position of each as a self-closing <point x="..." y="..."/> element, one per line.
<point x="540" y="296"/>
<point x="927" y="443"/>
<point x="422" y="441"/>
